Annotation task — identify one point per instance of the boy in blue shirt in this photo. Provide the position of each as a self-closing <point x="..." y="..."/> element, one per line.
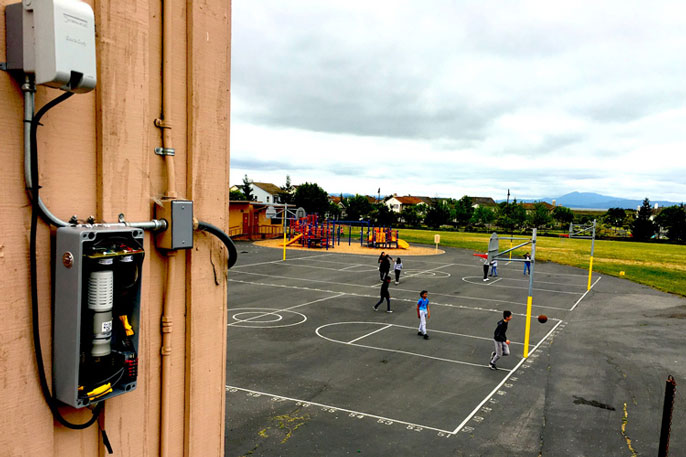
<point x="423" y="313"/>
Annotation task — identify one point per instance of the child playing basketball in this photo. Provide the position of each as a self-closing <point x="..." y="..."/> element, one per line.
<point x="397" y="268"/>
<point x="423" y="313"/>
<point x="385" y="294"/>
<point x="502" y="347"/>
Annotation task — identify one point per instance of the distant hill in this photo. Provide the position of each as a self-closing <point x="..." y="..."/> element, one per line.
<point x="591" y="200"/>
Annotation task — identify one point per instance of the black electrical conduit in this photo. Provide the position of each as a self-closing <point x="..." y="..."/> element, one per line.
<point x="224" y="238"/>
<point x="36" y="208"/>
<point x="35" y="186"/>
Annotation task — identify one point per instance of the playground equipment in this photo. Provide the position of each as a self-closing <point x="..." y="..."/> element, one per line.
<point x="310" y="232"/>
<point x="382" y="237"/>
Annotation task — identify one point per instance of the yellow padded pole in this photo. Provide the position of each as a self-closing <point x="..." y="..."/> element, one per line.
<point x="527" y="330"/>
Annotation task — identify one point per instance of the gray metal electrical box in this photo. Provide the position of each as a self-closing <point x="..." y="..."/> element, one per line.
<point x="97" y="308"/>
<point x="179" y="217"/>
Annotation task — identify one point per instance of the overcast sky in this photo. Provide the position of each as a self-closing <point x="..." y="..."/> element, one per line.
<point x="453" y="98"/>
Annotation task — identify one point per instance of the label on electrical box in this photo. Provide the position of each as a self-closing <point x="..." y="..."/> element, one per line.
<point x="107" y="327"/>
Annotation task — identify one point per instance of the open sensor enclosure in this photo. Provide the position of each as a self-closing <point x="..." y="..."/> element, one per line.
<point x="97" y="291"/>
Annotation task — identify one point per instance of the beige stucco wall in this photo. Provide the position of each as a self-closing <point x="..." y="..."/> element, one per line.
<point x="96" y="158"/>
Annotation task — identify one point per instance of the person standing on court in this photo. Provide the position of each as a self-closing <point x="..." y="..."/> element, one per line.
<point x="423" y="313"/>
<point x="486" y="267"/>
<point x="502" y="344"/>
<point x="494" y="268"/>
<point x="385" y="294"/>
<point x="527" y="263"/>
<point x="384" y="265"/>
<point x="397" y="268"/>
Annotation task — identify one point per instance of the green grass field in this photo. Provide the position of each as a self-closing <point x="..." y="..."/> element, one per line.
<point x="662" y="266"/>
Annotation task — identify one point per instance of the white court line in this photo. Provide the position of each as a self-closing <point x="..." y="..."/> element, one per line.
<point x="465" y="279"/>
<point x="410" y="300"/>
<point x="398" y="351"/>
<point x="582" y="297"/>
<point x="284" y="309"/>
<point x="318" y="267"/>
<point x="469" y="265"/>
<point x="275" y="261"/>
<point x="298" y="279"/>
<point x="493" y="282"/>
<point x="369" y="334"/>
<point x="377" y="285"/>
<point x="401" y="326"/>
<point x="350" y="411"/>
<point x="430" y="270"/>
<point x="352" y="266"/>
<point x="488" y="397"/>
<point x="562" y="284"/>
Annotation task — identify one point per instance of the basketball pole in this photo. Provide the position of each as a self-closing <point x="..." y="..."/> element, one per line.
<point x="590" y="264"/>
<point x="285" y="213"/>
<point x="530" y="299"/>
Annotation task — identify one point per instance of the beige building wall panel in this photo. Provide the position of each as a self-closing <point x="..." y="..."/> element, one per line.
<point x="209" y="72"/>
<point x="96" y="158"/>
<point x="126" y="166"/>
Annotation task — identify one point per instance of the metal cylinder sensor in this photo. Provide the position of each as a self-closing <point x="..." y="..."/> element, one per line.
<point x="100" y="299"/>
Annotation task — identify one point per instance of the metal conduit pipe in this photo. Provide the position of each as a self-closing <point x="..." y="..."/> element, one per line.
<point x="165" y="124"/>
<point x="29" y="89"/>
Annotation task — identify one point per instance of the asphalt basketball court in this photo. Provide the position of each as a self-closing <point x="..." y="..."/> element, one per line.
<point x="313" y="370"/>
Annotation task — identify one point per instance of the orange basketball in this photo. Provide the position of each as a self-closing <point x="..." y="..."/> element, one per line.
<point x="542" y="318"/>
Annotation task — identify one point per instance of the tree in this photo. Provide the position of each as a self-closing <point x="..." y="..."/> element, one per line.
<point x="643" y="227"/>
<point x="246" y="188"/>
<point x="236" y="195"/>
<point x="673" y="219"/>
<point x="334" y="211"/>
<point x="463" y="210"/>
<point x="411" y="215"/>
<point x="382" y="215"/>
<point x="356" y="208"/>
<point x="540" y="215"/>
<point x="313" y="198"/>
<point x="438" y="214"/>
<point x="287" y="191"/>
<point x="483" y="215"/>
<point x="563" y="215"/>
<point x="511" y="216"/>
<point x="615" y="217"/>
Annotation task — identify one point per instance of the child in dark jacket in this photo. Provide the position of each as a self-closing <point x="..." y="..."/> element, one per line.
<point x="385" y="294"/>
<point x="502" y="344"/>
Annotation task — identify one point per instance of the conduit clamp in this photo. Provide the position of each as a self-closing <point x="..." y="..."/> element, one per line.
<point x="165" y="151"/>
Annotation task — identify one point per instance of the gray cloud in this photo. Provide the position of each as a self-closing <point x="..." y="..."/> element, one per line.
<point x="527" y="80"/>
<point x="257" y="165"/>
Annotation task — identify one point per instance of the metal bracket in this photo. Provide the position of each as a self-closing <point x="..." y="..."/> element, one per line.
<point x="3" y="66"/>
<point x="165" y="151"/>
<point x="162" y="124"/>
